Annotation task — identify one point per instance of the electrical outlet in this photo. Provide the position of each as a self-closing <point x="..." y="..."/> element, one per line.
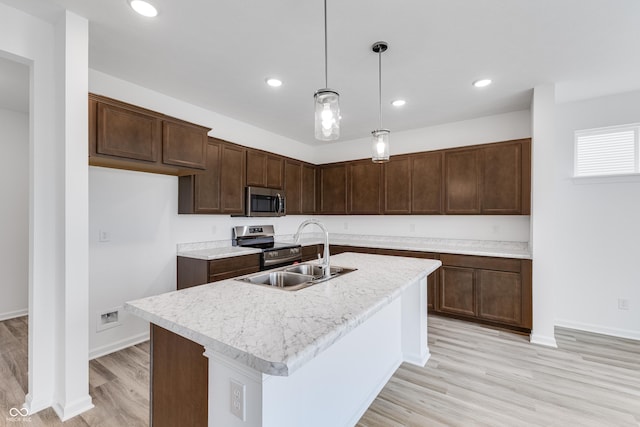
<point x="623" y="304"/>
<point x="108" y="319"/>
<point x="237" y="399"/>
<point x="346" y="225"/>
<point x="412" y="227"/>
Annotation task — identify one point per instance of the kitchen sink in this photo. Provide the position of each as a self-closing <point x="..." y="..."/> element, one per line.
<point x="295" y="277"/>
<point x="312" y="270"/>
<point x="281" y="279"/>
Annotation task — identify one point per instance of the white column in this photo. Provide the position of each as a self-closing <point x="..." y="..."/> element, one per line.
<point x="71" y="395"/>
<point x="415" y="348"/>
<point x="543" y="208"/>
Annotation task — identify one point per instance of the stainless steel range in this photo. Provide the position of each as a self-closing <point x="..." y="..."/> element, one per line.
<point x="262" y="237"/>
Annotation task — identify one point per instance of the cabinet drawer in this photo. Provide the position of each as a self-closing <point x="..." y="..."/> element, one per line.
<point x="231" y="274"/>
<point x="486" y="263"/>
<point x="226" y="265"/>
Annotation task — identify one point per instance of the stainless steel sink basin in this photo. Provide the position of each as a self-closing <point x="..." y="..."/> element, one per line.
<point x="312" y="270"/>
<point x="280" y="279"/>
<point x="295" y="277"/>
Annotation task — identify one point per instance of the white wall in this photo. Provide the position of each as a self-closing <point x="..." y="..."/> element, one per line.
<point x="139" y="211"/>
<point x="598" y="227"/>
<point x="482" y="130"/>
<point x="14" y="211"/>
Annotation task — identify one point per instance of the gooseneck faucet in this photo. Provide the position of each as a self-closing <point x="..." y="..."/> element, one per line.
<point x="326" y="270"/>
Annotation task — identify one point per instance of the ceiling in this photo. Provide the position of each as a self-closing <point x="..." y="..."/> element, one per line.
<point x="217" y="54"/>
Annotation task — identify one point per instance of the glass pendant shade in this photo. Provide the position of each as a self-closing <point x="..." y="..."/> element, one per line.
<point x="380" y="146"/>
<point x="327" y="115"/>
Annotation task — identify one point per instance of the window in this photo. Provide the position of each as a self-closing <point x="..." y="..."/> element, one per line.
<point x="607" y="151"/>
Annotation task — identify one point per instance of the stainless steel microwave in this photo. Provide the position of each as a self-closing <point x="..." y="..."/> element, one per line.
<point x="264" y="202"/>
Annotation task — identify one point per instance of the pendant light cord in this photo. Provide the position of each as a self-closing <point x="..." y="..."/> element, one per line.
<point x="326" y="72"/>
<point x="380" y="85"/>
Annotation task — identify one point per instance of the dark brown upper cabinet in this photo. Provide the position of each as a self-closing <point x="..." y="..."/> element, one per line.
<point x="300" y="187"/>
<point x="125" y="136"/>
<point x="426" y="183"/>
<point x="333" y="188"/>
<point x="293" y="186"/>
<point x="462" y="181"/>
<point x="506" y="174"/>
<point x="264" y="169"/>
<point x="364" y="187"/>
<point x="309" y="181"/>
<point x="397" y="185"/>
<point x="219" y="190"/>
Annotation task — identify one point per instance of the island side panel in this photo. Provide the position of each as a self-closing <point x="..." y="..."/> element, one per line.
<point x="179" y="388"/>
<point x="415" y="347"/>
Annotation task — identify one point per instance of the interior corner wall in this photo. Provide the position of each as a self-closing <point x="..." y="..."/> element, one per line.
<point x="598" y="226"/>
<point x="14" y="211"/>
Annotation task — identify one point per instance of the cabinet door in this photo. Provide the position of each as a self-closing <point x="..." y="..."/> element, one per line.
<point x="256" y="168"/>
<point x="333" y="189"/>
<point x="365" y="187"/>
<point x="207" y="184"/>
<point x="183" y="144"/>
<point x="426" y="183"/>
<point x="264" y="170"/>
<point x="232" y="178"/>
<point x="293" y="186"/>
<point x="462" y="182"/>
<point x="397" y="185"/>
<point x="457" y="291"/>
<point x="275" y="172"/>
<point x="127" y="133"/>
<point x="308" y="189"/>
<point x="500" y="296"/>
<point x="502" y="179"/>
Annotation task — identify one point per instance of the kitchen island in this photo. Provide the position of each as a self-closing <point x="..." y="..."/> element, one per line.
<point x="317" y="356"/>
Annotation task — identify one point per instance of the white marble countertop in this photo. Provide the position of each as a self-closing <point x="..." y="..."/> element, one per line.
<point x="275" y="331"/>
<point x="493" y="248"/>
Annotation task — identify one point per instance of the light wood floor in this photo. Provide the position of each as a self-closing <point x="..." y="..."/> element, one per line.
<point x="476" y="376"/>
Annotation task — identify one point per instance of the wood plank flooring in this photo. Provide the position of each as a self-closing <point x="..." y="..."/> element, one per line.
<point x="476" y="377"/>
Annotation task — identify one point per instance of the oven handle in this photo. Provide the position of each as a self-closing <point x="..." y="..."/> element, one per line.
<point x="279" y="205"/>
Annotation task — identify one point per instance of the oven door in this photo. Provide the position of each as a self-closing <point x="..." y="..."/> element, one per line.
<point x="264" y="202"/>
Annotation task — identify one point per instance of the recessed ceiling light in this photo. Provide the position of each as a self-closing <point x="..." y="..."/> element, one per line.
<point x="482" y="83"/>
<point x="273" y="82"/>
<point x="398" y="102"/>
<point x="144" y="8"/>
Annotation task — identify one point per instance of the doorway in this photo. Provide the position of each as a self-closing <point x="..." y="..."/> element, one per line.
<point x="14" y="229"/>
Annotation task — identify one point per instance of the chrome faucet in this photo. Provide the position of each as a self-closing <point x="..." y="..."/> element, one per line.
<point x="326" y="270"/>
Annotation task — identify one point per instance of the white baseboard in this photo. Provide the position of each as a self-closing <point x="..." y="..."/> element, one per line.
<point x="604" y="330"/>
<point x="544" y="340"/>
<point x="73" y="409"/>
<point x="13" y="314"/>
<point x="118" y="345"/>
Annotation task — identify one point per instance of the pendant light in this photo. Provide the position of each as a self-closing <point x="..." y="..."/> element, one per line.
<point x="327" y="107"/>
<point x="380" y="140"/>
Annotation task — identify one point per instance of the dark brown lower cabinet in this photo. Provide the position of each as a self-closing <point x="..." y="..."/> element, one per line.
<point x="179" y="380"/>
<point x="490" y="290"/>
<point x="194" y="272"/>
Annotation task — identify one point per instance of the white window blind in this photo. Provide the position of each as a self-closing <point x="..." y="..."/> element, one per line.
<point x="607" y="151"/>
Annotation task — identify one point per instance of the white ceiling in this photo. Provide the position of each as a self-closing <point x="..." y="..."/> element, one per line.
<point x="216" y="54"/>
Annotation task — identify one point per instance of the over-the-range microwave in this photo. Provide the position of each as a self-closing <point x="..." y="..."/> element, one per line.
<point x="264" y="202"/>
